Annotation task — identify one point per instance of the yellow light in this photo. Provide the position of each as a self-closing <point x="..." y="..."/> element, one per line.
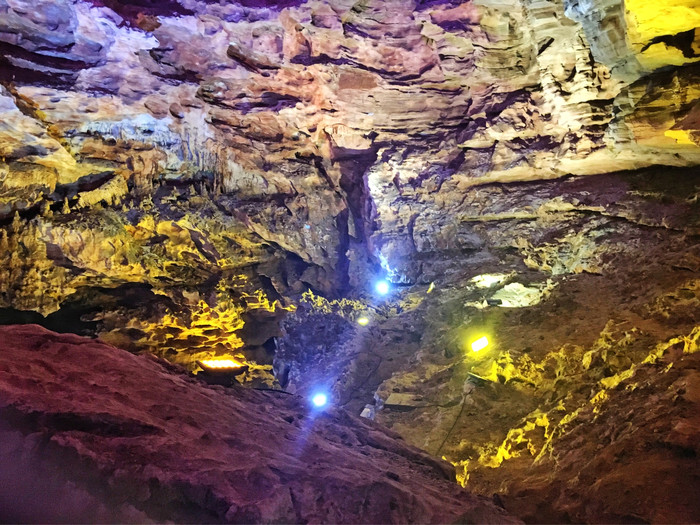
<point x="363" y="321"/>
<point x="431" y="287"/>
<point x="480" y="344"/>
<point x="652" y="23"/>
<point x="221" y="363"/>
<point x="680" y="136"/>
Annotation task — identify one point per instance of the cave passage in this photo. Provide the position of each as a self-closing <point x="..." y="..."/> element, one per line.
<point x="349" y="262"/>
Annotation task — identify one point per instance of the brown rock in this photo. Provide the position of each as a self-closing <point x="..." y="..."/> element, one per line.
<point x="140" y="443"/>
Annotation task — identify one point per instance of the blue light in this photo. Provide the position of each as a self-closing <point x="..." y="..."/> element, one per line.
<point x="382" y="287"/>
<point x="319" y="400"/>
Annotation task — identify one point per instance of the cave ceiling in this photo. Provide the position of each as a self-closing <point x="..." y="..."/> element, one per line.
<point x="174" y="169"/>
<point x="221" y="158"/>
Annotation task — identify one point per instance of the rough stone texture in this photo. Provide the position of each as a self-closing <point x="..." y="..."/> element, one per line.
<point x="568" y="414"/>
<point x="647" y="437"/>
<point x="328" y="126"/>
<point x="198" y="178"/>
<point x="597" y="294"/>
<point x="127" y="438"/>
<point x="174" y="157"/>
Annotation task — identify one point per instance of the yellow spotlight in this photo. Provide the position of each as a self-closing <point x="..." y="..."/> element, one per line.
<point x="431" y="287"/>
<point x="480" y="344"/>
<point x="220" y="363"/>
<point x="363" y="321"/>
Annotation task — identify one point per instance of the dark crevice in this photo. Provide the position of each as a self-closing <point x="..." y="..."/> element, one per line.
<point x="96" y="424"/>
<point x="353" y="183"/>
<point x="681" y="41"/>
<point x="343" y="262"/>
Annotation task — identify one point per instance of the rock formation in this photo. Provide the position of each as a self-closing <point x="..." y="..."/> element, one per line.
<point x="196" y="179"/>
<point x="93" y="433"/>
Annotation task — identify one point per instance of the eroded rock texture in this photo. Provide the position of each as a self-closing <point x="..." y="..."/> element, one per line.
<point x="176" y="146"/>
<point x="581" y="409"/>
<point x="198" y="179"/>
<point x="126" y="438"/>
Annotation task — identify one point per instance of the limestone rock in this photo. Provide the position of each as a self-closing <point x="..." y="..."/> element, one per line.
<point x="374" y="113"/>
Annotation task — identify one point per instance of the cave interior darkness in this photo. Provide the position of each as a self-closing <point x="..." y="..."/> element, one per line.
<point x="350" y="261"/>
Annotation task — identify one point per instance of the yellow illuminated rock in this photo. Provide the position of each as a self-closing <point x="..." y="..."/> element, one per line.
<point x="680" y="136"/>
<point x="652" y="26"/>
<point x="224" y="183"/>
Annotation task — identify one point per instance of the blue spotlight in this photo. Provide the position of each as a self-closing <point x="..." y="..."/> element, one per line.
<point x="319" y="400"/>
<point x="382" y="287"/>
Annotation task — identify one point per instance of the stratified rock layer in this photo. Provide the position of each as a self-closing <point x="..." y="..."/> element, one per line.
<point x="327" y="133"/>
<point x="588" y="291"/>
<point x="113" y="436"/>
<point x="178" y="176"/>
<point x="582" y="407"/>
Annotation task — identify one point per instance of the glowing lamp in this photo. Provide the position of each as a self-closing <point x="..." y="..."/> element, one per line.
<point x="219" y="363"/>
<point x="382" y="287"/>
<point x="363" y="321"/>
<point x="480" y="344"/>
<point x="221" y="368"/>
<point x="319" y="400"/>
<point x="220" y="371"/>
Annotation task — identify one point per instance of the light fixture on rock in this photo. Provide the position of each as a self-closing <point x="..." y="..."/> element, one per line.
<point x="479" y="344"/>
<point x="220" y="371"/>
<point x="319" y="400"/>
<point x="221" y="364"/>
<point x="382" y="287"/>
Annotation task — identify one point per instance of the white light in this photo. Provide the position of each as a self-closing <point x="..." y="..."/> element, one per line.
<point x="363" y="321"/>
<point x="319" y="400"/>
<point x="221" y="363"/>
<point x="382" y="287"/>
<point x="480" y="344"/>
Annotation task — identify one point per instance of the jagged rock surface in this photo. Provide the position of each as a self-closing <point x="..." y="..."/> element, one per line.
<point x="126" y="438"/>
<point x="330" y="131"/>
<point x="174" y="177"/>
<point x="593" y="317"/>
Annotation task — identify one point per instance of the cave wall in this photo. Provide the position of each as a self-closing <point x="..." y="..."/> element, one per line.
<point x="169" y="166"/>
<point x="195" y="178"/>
<point x="92" y="433"/>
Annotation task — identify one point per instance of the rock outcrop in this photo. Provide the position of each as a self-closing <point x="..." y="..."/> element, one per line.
<point x="581" y="407"/>
<point x="93" y="433"/>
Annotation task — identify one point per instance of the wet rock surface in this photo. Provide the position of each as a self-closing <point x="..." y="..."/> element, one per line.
<point x="130" y="439"/>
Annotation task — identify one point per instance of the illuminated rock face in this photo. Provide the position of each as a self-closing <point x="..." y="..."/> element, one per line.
<point x="588" y="291"/>
<point x="108" y="436"/>
<point x="334" y="131"/>
<point x="582" y="407"/>
<point x="175" y="176"/>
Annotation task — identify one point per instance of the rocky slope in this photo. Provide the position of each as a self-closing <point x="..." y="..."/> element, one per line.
<point x="93" y="433"/>
<point x="593" y="316"/>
